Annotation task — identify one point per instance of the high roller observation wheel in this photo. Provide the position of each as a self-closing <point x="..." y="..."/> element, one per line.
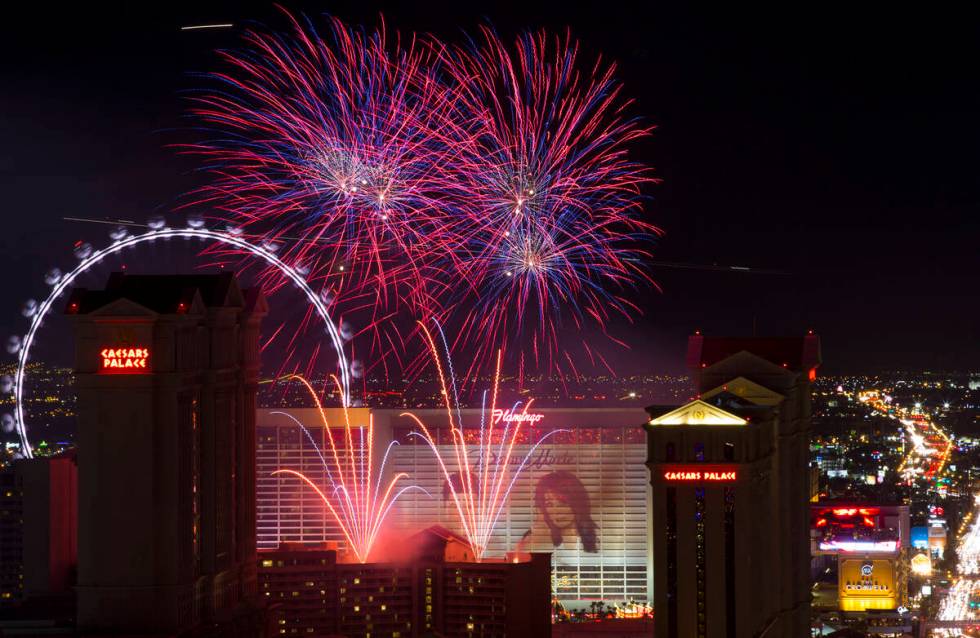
<point x="230" y="238"/>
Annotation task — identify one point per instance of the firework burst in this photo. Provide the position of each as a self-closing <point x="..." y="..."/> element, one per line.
<point x="332" y="148"/>
<point x="556" y="193"/>
<point x="486" y="185"/>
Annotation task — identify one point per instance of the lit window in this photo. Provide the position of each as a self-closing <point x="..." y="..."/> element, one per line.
<point x="357" y="581"/>
<point x="267" y="563"/>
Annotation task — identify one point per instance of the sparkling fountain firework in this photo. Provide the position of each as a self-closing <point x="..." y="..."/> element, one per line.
<point x="479" y="487"/>
<point x="355" y="500"/>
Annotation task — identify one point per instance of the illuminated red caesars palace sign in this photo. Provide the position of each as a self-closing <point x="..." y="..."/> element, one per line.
<point x="124" y="360"/>
<point x="693" y="473"/>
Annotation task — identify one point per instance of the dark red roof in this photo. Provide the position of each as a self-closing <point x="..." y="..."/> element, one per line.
<point x="793" y="353"/>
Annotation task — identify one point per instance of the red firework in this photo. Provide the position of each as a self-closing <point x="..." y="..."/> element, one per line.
<point x="487" y="186"/>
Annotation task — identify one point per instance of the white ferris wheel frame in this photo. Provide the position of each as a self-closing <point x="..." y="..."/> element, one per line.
<point x="229" y="238"/>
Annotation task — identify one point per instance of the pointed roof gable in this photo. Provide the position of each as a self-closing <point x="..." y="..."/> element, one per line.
<point x="697" y="413"/>
<point x="747" y="389"/>
<point x="162" y="294"/>
<point x="793" y="353"/>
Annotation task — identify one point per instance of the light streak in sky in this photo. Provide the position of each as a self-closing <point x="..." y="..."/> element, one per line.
<point x="198" y="27"/>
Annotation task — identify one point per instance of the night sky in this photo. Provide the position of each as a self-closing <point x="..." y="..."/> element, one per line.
<point x="836" y="151"/>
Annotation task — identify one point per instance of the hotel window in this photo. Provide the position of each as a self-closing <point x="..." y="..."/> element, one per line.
<point x="699" y="451"/>
<point x="700" y="571"/>
<point x="729" y="534"/>
<point x="729" y="451"/>
<point x="670" y="454"/>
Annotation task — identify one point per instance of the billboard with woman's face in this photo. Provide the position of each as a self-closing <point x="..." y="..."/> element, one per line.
<point x="581" y="496"/>
<point x="563" y="514"/>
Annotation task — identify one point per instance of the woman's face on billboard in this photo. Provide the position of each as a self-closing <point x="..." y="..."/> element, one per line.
<point x="559" y="511"/>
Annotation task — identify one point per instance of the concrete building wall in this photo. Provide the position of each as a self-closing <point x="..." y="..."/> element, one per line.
<point x="166" y="452"/>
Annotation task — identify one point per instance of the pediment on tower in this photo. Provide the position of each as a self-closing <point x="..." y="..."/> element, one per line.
<point x="748" y="390"/>
<point x="123" y="308"/>
<point x="698" y="413"/>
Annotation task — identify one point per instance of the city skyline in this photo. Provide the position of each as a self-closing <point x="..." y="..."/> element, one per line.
<point x="489" y="321"/>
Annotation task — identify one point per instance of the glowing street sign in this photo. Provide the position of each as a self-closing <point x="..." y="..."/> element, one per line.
<point x="509" y="416"/>
<point x="124" y="360"/>
<point x="695" y="474"/>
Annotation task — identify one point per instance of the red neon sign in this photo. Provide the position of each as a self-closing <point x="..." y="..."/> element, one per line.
<point x="124" y="360"/>
<point x="694" y="473"/>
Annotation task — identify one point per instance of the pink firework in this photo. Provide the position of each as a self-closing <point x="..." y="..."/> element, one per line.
<point x="489" y="186"/>
<point x="332" y="150"/>
<point x="558" y="197"/>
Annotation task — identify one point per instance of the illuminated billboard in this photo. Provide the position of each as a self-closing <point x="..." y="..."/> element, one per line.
<point x="583" y="495"/>
<point x="858" y="528"/>
<point x="921" y="565"/>
<point x="866" y="584"/>
<point x="124" y="360"/>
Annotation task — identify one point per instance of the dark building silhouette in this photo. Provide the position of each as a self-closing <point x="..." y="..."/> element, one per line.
<point x="435" y="588"/>
<point x="166" y="370"/>
<point x="731" y="492"/>
<point x="38" y="531"/>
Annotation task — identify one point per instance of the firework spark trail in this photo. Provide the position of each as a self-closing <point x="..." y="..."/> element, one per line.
<point x="337" y="150"/>
<point x="358" y="507"/>
<point x="557" y="197"/>
<point x="480" y="499"/>
<point x="488" y="185"/>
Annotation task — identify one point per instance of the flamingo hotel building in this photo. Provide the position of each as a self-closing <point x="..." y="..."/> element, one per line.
<point x="687" y="507"/>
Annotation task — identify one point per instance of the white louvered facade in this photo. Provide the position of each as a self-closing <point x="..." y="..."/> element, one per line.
<point x="601" y="452"/>
<point x="605" y="450"/>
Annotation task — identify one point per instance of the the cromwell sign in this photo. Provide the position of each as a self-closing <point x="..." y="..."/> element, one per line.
<point x="510" y="416"/>
<point x="124" y="360"/>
